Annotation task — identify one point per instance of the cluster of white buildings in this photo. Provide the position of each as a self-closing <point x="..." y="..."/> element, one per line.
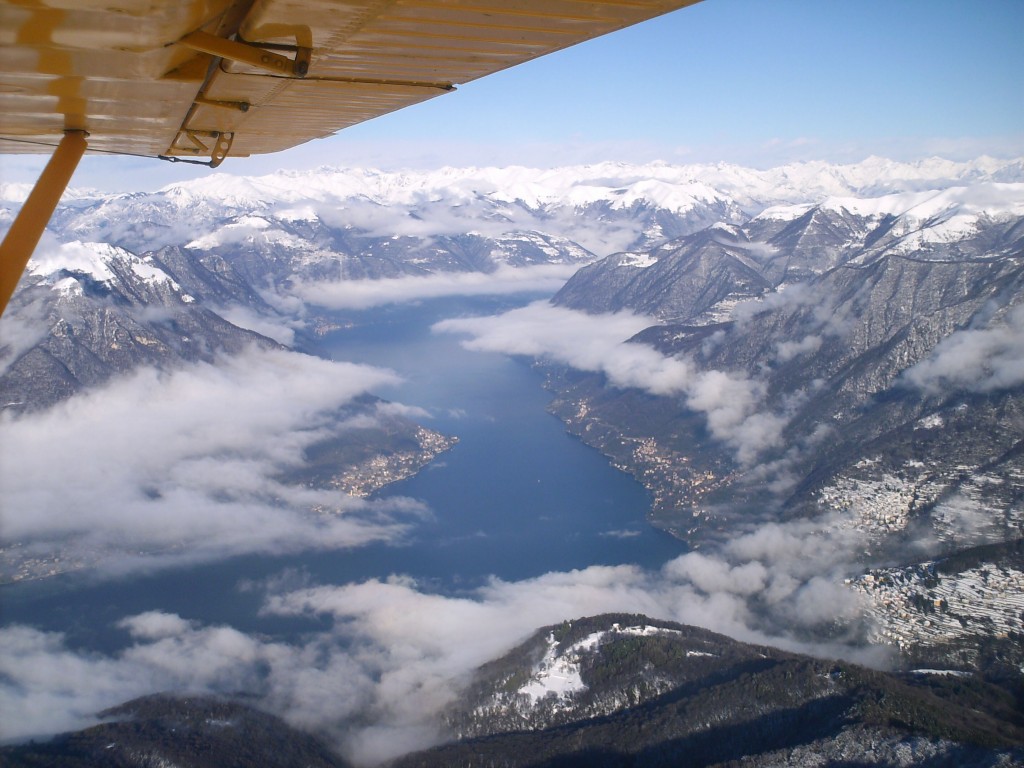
<point x="881" y="504"/>
<point x="919" y="605"/>
<point x="668" y="475"/>
<point x="378" y="471"/>
<point x="14" y="566"/>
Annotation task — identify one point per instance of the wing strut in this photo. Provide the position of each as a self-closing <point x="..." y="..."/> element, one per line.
<point x="35" y="214"/>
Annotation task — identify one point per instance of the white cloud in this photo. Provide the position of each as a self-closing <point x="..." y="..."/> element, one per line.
<point x="976" y="360"/>
<point x="46" y="687"/>
<point x="621" y="533"/>
<point x="154" y="625"/>
<point x="584" y="341"/>
<point x="425" y="216"/>
<point x="597" y="342"/>
<point x="280" y="329"/>
<point x="241" y="230"/>
<point x="397" y="654"/>
<point x="788" y="350"/>
<point x="19" y="332"/>
<point x="362" y="294"/>
<point x="787" y="298"/>
<point x="480" y="205"/>
<point x="758" y="250"/>
<point x="186" y="463"/>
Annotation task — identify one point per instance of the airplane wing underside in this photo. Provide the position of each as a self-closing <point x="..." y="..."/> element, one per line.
<point x="208" y="79"/>
<point x="202" y="80"/>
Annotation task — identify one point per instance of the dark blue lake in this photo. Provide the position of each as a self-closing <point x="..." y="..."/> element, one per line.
<point x="515" y="498"/>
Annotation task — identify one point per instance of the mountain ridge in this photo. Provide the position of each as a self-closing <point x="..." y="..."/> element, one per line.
<point x="611" y="690"/>
<point x="530" y="198"/>
<point x="652" y="692"/>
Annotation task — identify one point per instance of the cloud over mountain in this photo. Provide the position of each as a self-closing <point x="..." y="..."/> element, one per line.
<point x="975" y="359"/>
<point x="362" y="294"/>
<point x="184" y="462"/>
<point x="396" y="653"/>
<point x="600" y="343"/>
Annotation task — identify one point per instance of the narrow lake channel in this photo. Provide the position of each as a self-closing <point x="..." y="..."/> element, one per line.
<point x="517" y="497"/>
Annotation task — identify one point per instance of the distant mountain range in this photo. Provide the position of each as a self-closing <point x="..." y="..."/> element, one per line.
<point x="605" y="207"/>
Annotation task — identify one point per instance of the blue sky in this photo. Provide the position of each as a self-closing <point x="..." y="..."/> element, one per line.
<point x="758" y="82"/>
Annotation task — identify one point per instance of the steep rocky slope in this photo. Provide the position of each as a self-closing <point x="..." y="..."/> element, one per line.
<point x="887" y="339"/>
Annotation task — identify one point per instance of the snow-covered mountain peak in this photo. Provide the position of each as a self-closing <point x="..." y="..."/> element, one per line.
<point x="640" y="260"/>
<point x="244" y="192"/>
<point x="784" y="212"/>
<point x="98" y="262"/>
<point x="727" y="229"/>
<point x="18" y="192"/>
<point x="90" y="259"/>
<point x="14" y="193"/>
<point x="917" y="208"/>
<point x="673" y="187"/>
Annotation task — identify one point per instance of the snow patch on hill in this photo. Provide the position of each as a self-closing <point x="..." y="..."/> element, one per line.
<point x="558" y="674"/>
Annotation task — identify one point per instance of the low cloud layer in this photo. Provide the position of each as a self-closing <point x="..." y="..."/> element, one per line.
<point x="184" y="463"/>
<point x="280" y="328"/>
<point x="975" y="360"/>
<point x="396" y="654"/>
<point x="363" y="294"/>
<point x="468" y="206"/>
<point x="264" y="210"/>
<point x="730" y="401"/>
<point x="19" y="332"/>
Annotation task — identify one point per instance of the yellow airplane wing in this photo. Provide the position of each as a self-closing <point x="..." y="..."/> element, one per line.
<point x="201" y="80"/>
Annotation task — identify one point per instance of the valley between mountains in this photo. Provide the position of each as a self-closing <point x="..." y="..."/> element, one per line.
<point x="816" y="371"/>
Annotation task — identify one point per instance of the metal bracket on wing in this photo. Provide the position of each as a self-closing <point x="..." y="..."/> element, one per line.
<point x="241" y="106"/>
<point x="193" y="140"/>
<point x="217" y="153"/>
<point x="248" y="53"/>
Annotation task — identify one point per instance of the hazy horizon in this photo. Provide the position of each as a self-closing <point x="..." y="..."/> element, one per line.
<point x="734" y="81"/>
